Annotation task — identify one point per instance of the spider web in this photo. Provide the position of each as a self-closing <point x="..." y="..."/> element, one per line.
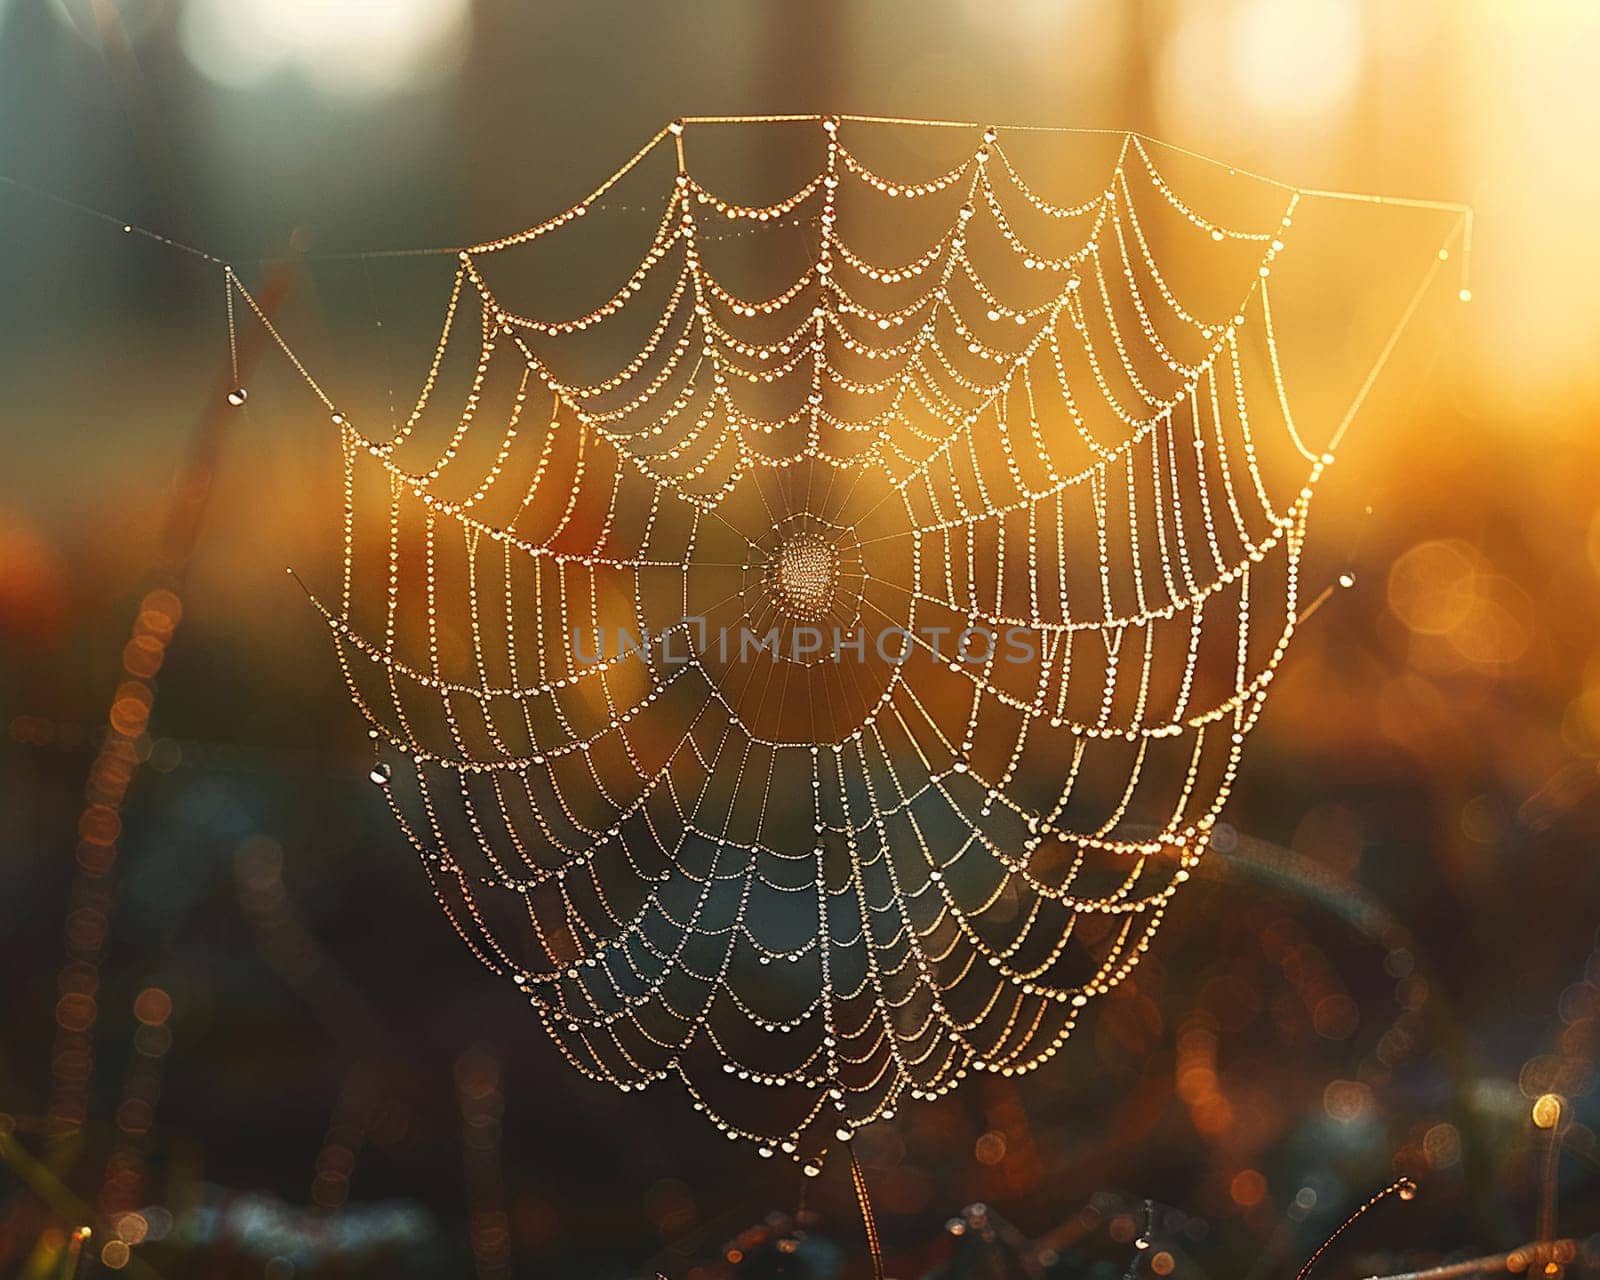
<point x="808" y="885"/>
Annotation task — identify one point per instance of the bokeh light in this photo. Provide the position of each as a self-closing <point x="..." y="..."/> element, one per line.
<point x="1298" y="61"/>
<point x="351" y="48"/>
<point x="1547" y="1111"/>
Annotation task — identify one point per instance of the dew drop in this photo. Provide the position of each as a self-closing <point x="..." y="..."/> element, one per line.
<point x="238" y="396"/>
<point x="381" y="773"/>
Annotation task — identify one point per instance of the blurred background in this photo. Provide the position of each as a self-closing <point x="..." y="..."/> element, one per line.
<point x="238" y="1038"/>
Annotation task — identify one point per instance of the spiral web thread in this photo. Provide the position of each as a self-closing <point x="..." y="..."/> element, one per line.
<point x="806" y="887"/>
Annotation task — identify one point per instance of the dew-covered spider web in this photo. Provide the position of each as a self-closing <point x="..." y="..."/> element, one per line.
<point x="1032" y="456"/>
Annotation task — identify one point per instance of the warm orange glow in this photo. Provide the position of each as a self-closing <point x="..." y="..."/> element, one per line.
<point x="1248" y="1188"/>
<point x="990" y="1148"/>
<point x="153" y="1006"/>
<point x="1547" y="1111"/>
<point x="133" y="1227"/>
<point x="1346" y="1100"/>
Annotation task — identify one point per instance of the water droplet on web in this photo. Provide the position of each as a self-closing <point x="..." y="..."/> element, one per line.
<point x="381" y="773"/>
